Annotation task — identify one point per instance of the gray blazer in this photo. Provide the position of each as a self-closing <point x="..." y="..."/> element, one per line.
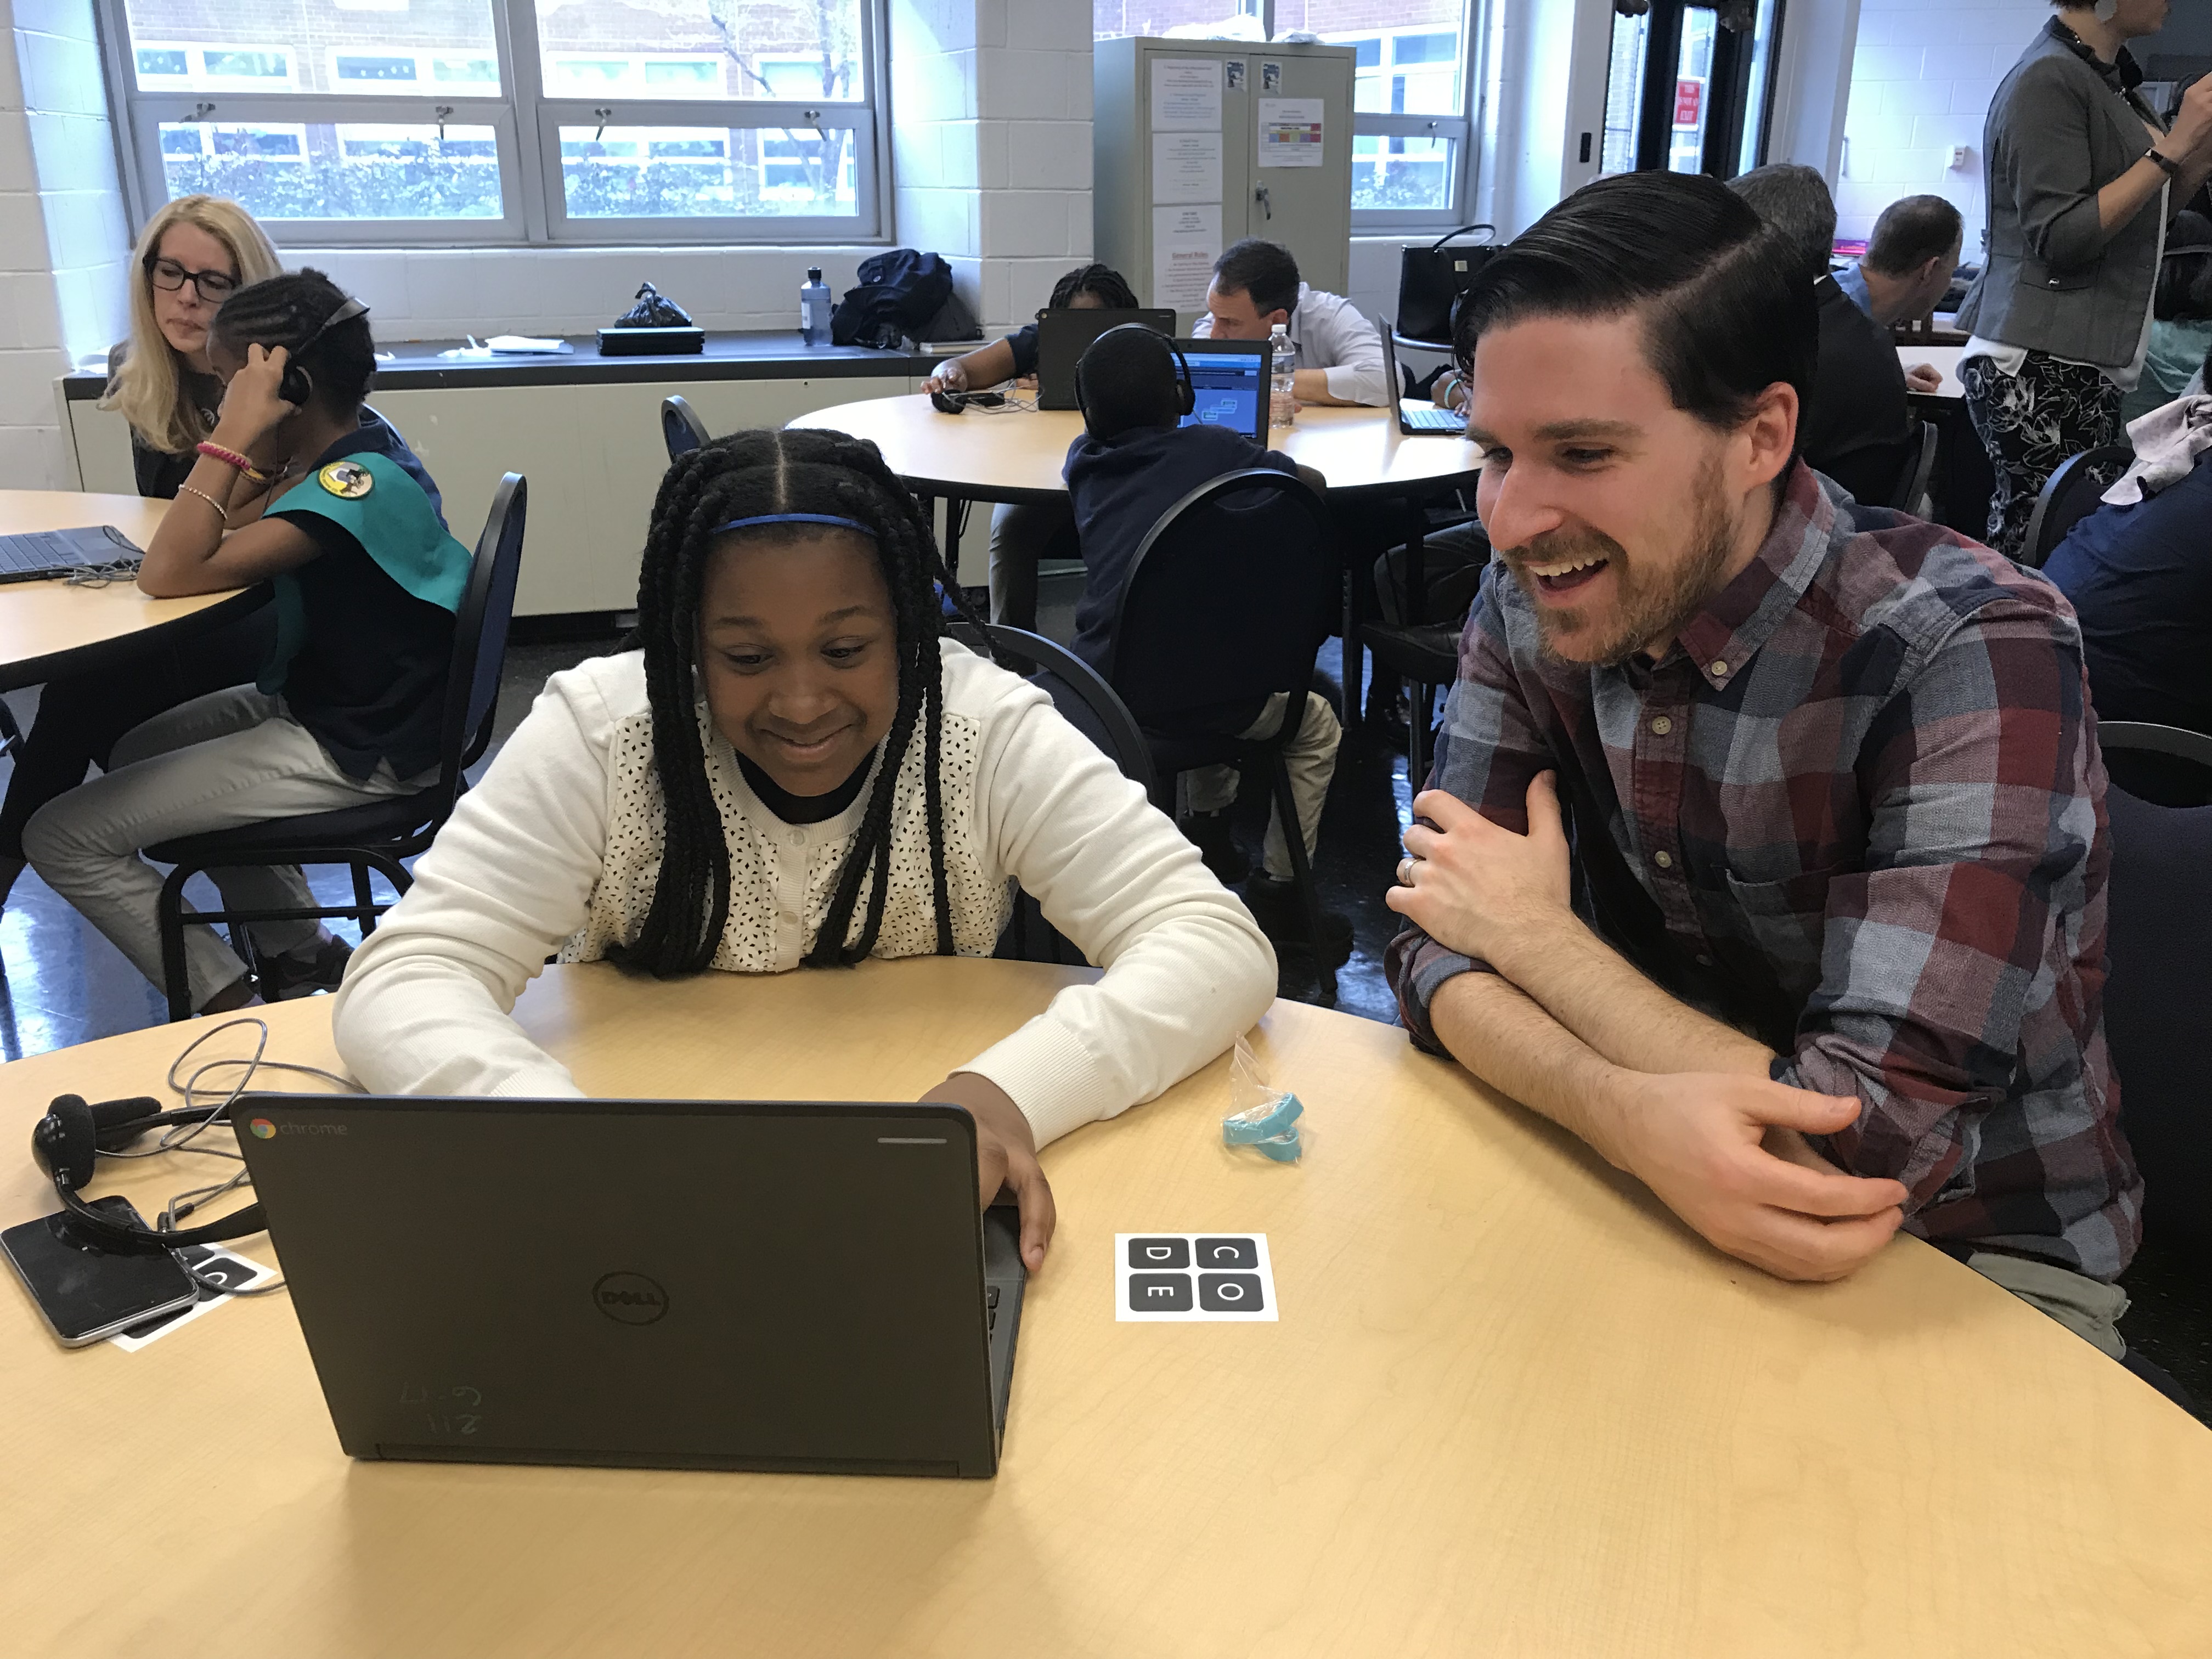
<point x="2053" y="280"/>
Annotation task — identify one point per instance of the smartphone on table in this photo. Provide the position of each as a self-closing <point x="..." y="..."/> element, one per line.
<point x="86" y="1292"/>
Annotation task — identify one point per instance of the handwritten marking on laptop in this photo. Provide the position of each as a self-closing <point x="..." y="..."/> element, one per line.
<point x="448" y="1410"/>
<point x="1190" y="1279"/>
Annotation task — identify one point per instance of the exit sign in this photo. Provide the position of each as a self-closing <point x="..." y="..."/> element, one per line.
<point x="1689" y="102"/>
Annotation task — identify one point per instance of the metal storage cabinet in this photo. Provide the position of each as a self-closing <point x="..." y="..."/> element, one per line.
<point x="1307" y="209"/>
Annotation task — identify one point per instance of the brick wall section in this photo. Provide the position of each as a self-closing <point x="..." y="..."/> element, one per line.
<point x="1921" y="83"/>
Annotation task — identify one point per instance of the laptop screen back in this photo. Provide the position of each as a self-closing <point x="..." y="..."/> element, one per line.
<point x="1232" y="386"/>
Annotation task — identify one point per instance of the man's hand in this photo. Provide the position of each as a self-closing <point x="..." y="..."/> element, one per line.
<point x="251" y="407"/>
<point x="1006" y="1154"/>
<point x="950" y="375"/>
<point x="1726" y="1154"/>
<point x="1477" y="888"/>
<point x="1924" y="376"/>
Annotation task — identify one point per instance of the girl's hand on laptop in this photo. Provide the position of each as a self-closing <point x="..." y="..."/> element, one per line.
<point x="1005" y="1153"/>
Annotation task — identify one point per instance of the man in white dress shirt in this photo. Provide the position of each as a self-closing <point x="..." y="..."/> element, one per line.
<point x="1256" y="285"/>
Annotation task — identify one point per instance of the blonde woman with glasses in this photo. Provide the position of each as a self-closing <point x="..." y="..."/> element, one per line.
<point x="195" y="254"/>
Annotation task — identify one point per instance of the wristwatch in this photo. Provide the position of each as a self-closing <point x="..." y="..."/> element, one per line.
<point x="2171" y="167"/>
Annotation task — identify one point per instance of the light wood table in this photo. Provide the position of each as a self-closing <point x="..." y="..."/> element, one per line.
<point x="1944" y="357"/>
<point x="1511" y="1408"/>
<point x="51" y="627"/>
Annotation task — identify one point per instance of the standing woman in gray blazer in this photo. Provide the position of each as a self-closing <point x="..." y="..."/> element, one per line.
<point x="2083" y="176"/>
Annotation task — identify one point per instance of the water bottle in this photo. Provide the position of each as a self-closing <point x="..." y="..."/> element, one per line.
<point x="1283" y="397"/>
<point x="813" y="307"/>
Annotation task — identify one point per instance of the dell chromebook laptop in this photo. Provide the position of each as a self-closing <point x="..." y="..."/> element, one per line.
<point x="1417" y="418"/>
<point x="1064" y="336"/>
<point x="806" y="1288"/>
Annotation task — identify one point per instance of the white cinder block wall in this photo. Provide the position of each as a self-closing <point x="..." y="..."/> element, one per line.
<point x="64" y="243"/>
<point x="1921" y="83"/>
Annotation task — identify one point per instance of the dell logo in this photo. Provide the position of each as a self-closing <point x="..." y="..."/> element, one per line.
<point x="629" y="1298"/>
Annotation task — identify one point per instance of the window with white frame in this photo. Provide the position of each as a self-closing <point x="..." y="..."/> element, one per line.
<point x="510" y="120"/>
<point x="1411" y="147"/>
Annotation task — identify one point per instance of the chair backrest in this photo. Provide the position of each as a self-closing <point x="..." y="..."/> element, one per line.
<point x="2158" y="984"/>
<point x="1080" y="694"/>
<point x="1915" y="484"/>
<point x="681" y="428"/>
<point x="2070" y="497"/>
<point x="1229" y="595"/>
<point x="480" y="628"/>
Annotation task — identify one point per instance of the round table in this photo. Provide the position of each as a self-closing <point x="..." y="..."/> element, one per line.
<point x="51" y="627"/>
<point x="1016" y="456"/>
<point x="1511" y="1408"/>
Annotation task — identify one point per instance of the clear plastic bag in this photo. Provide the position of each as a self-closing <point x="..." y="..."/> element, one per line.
<point x="1262" y="1117"/>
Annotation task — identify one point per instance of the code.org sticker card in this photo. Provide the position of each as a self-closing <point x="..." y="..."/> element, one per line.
<point x="1189" y="1279"/>
<point x="209" y="1261"/>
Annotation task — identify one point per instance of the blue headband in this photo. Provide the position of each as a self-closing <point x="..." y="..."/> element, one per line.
<point x="797" y="517"/>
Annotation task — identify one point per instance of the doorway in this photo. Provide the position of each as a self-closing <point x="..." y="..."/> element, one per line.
<point x="1689" y="85"/>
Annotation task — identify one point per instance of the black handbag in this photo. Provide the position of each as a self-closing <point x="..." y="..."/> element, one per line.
<point x="1430" y="280"/>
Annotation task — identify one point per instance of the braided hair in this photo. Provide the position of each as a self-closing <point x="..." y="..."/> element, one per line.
<point x="1102" y="282"/>
<point x="745" y="474"/>
<point x="290" y="311"/>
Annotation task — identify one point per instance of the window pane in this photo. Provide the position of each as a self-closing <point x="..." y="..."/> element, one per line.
<point x="337" y="170"/>
<point x="1623" y="94"/>
<point x="1402" y="174"/>
<point x="1414" y="68"/>
<point x="711" y="49"/>
<point x="692" y="173"/>
<point x="313" y="45"/>
<point x="1693" y="76"/>
<point x="1113" y="18"/>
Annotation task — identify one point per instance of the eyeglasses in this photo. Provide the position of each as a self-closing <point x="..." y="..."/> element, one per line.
<point x="212" y="286"/>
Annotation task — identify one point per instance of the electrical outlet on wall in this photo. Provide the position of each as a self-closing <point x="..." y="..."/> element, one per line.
<point x="1959" y="154"/>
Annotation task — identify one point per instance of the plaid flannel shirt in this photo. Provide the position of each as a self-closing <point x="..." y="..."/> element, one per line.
<point x="1857" y="811"/>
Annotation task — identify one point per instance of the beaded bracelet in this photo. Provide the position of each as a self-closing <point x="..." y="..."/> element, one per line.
<point x="222" y="511"/>
<point x="232" y="458"/>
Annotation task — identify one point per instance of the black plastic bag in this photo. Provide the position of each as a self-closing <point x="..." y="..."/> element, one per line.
<point x="653" y="310"/>
<point x="898" y="294"/>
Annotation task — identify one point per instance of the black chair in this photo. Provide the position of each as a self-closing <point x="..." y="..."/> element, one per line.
<point x="1088" y="704"/>
<point x="1228" y="598"/>
<point x="376" y="835"/>
<point x="1422" y="653"/>
<point x="1915" y="492"/>
<point x="681" y="428"/>
<point x="2159" y="982"/>
<point x="2070" y="497"/>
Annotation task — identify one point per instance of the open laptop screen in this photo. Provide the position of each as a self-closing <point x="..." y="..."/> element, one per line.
<point x="1230" y="380"/>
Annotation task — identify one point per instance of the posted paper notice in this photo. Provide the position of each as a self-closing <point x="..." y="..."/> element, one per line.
<point x="1186" y="94"/>
<point x="1186" y="242"/>
<point x="1186" y="167"/>
<point x="1289" y="133"/>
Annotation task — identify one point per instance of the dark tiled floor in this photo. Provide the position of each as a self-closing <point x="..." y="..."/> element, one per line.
<point x="65" y="984"/>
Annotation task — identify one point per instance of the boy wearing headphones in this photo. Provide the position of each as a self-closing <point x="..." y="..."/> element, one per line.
<point x="352" y="535"/>
<point x="1134" y="461"/>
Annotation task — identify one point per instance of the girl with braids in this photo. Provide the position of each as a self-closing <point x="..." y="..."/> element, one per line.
<point x="192" y="256"/>
<point x="323" y="499"/>
<point x="798" y="770"/>
<point x="1022" y="536"/>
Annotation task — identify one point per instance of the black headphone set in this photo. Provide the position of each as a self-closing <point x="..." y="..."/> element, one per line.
<point x="69" y="1140"/>
<point x="298" y="386"/>
<point x="955" y="403"/>
<point x="1186" y="393"/>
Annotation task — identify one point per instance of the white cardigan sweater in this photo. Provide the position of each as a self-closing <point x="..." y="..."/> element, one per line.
<point x="558" y="848"/>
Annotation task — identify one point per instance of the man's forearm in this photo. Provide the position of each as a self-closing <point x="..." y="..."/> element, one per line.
<point x="1601" y="999"/>
<point x="1501" y="1035"/>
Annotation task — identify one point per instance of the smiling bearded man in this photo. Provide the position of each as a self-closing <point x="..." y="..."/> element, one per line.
<point x="1830" y="775"/>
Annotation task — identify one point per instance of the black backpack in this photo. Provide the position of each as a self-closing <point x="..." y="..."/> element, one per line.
<point x="897" y="296"/>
